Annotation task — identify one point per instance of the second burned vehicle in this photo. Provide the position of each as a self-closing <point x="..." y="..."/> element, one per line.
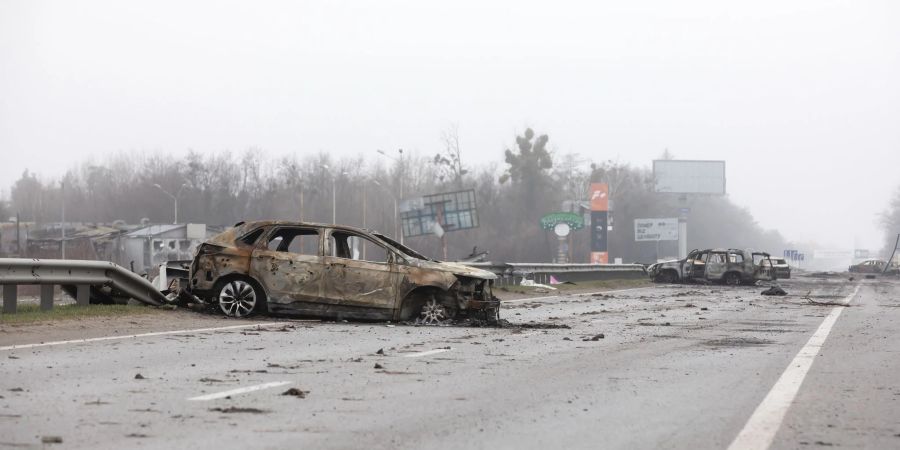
<point x="730" y="266"/>
<point x="333" y="271"/>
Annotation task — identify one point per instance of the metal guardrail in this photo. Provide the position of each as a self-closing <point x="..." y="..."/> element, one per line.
<point x="86" y="279"/>
<point x="513" y="273"/>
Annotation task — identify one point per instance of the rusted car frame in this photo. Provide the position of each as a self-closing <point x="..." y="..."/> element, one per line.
<point x="333" y="271"/>
<point x="728" y="266"/>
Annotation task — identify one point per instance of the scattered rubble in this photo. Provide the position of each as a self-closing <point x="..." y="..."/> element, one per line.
<point x="295" y="392"/>
<point x="595" y="337"/>
<point x="774" y="290"/>
<point x="238" y="410"/>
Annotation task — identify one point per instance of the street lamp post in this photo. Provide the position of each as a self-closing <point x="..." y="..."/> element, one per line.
<point x="399" y="161"/>
<point x="395" y="206"/>
<point x="174" y="197"/>
<point x="333" y="192"/>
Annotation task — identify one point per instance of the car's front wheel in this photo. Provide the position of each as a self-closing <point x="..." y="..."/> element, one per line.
<point x="732" y="279"/>
<point x="240" y="297"/>
<point x="434" y="312"/>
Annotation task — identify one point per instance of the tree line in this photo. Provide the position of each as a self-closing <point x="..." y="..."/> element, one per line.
<point x="225" y="187"/>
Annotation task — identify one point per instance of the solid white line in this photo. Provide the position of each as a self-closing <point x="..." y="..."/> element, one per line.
<point x="760" y="430"/>
<point x="132" y="336"/>
<point x="243" y="390"/>
<point x="426" y="353"/>
<point x="581" y="294"/>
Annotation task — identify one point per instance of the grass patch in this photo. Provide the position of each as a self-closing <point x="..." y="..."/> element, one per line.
<point x="33" y="313"/>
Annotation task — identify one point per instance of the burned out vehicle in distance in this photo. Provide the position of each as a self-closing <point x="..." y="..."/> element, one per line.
<point x="336" y="272"/>
<point x="875" y="266"/>
<point x="782" y="268"/>
<point x="729" y="266"/>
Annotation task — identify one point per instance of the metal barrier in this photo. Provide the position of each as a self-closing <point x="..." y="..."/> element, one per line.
<point x="85" y="280"/>
<point x="514" y="273"/>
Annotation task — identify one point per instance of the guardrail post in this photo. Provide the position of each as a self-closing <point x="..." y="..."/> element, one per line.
<point x="82" y="294"/>
<point x="46" y="297"/>
<point x="10" y="296"/>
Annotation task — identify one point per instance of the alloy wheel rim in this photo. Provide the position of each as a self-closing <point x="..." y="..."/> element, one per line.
<point x="237" y="298"/>
<point x="433" y="313"/>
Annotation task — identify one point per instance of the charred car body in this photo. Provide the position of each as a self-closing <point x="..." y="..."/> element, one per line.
<point x="333" y="271"/>
<point x="874" y="266"/>
<point x="729" y="266"/>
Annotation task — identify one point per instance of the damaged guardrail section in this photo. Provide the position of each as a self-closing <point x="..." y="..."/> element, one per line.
<point x="100" y="281"/>
<point x="513" y="273"/>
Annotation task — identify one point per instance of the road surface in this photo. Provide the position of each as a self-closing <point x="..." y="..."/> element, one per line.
<point x="677" y="366"/>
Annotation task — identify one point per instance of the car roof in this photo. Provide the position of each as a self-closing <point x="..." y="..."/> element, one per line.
<point x="261" y="223"/>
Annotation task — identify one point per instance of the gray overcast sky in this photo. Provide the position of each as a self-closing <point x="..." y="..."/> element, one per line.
<point x="801" y="98"/>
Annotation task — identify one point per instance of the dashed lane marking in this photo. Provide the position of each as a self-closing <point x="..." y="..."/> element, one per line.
<point x="427" y="352"/>
<point x="238" y="391"/>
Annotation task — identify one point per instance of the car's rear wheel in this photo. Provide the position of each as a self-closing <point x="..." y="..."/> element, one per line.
<point x="239" y="297"/>
<point x="732" y="279"/>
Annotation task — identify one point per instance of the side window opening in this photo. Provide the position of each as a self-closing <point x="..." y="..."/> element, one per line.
<point x="295" y="240"/>
<point x="350" y="246"/>
<point x="252" y="237"/>
<point x="735" y="258"/>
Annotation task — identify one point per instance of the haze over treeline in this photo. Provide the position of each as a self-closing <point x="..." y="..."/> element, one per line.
<point x="224" y="188"/>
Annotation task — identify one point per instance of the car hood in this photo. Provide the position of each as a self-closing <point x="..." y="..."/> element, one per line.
<point x="454" y="268"/>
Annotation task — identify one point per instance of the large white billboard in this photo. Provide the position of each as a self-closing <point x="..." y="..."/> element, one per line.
<point x="656" y="229"/>
<point x="689" y="177"/>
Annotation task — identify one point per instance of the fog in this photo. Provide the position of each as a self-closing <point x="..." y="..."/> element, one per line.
<point x="801" y="99"/>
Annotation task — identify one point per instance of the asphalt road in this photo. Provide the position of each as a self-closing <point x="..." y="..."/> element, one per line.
<point x="677" y="367"/>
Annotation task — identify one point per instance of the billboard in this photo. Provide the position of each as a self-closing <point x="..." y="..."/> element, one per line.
<point x="599" y="222"/>
<point x="689" y="177"/>
<point x="439" y="213"/>
<point x="656" y="229"/>
<point x="599" y="197"/>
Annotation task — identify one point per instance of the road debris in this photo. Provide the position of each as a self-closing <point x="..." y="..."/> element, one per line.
<point x="139" y="377"/>
<point x="238" y="410"/>
<point x="378" y="366"/>
<point x="51" y="439"/>
<point x="774" y="290"/>
<point x="295" y="392"/>
<point x="595" y="337"/>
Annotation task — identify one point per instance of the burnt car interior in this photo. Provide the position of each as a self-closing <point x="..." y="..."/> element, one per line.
<point x="350" y="246"/>
<point x="302" y="241"/>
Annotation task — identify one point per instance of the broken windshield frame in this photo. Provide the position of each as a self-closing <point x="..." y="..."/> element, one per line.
<point x="402" y="248"/>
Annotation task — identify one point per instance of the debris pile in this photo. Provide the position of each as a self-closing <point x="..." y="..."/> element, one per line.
<point x="774" y="290"/>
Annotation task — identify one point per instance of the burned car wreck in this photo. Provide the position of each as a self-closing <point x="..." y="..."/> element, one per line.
<point x="729" y="266"/>
<point x="336" y="272"/>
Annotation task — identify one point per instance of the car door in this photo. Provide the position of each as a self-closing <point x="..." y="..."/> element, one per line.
<point x="716" y="265"/>
<point x="697" y="269"/>
<point x="360" y="278"/>
<point x="763" y="267"/>
<point x="288" y="263"/>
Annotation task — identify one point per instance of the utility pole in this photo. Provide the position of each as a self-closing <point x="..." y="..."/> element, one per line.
<point x="399" y="198"/>
<point x="62" y="188"/>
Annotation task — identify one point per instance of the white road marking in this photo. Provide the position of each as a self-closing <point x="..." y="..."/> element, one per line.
<point x="133" y="336"/>
<point x="582" y="294"/>
<point x="426" y="352"/>
<point x="238" y="391"/>
<point x="760" y="430"/>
